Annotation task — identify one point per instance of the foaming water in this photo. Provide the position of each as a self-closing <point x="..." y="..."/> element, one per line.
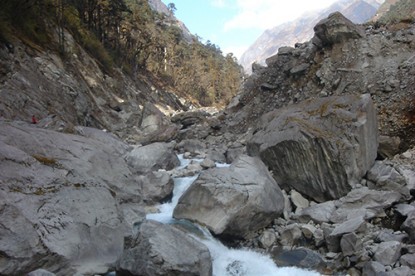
<point x="244" y="262"/>
<point x="225" y="261"/>
<point x="181" y="184"/>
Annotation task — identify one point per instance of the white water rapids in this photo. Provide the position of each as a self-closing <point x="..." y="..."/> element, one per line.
<point x="226" y="262"/>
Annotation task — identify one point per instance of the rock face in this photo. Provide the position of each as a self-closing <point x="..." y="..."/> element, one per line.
<point x="64" y="198"/>
<point x="79" y="92"/>
<point x="160" y="249"/>
<point x="320" y="147"/>
<point x="233" y="201"/>
<point x="379" y="62"/>
<point x="301" y="257"/>
<point x="388" y="253"/>
<point x="409" y="226"/>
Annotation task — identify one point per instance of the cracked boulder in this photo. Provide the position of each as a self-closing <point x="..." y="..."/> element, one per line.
<point x="233" y="201"/>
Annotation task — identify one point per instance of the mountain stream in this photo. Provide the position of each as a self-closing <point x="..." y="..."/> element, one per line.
<point x="226" y="261"/>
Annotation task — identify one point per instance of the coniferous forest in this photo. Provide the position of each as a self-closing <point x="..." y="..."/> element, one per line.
<point x="129" y="35"/>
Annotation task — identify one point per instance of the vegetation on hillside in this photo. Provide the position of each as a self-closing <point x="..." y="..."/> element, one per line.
<point x="22" y="18"/>
<point x="130" y="35"/>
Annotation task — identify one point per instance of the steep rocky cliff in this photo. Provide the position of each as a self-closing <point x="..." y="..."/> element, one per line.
<point x="66" y="66"/>
<point x="342" y="58"/>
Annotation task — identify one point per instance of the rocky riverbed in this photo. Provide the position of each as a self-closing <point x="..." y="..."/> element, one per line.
<point x="321" y="175"/>
<point x="69" y="200"/>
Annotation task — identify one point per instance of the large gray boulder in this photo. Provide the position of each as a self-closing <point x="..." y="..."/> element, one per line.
<point x="320" y="147"/>
<point x="20" y="244"/>
<point x="61" y="200"/>
<point x="233" y="201"/>
<point x="153" y="157"/>
<point x="336" y="28"/>
<point x="161" y="249"/>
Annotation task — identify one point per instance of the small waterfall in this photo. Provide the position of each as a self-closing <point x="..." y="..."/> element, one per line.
<point x="226" y="261"/>
<point x="166" y="210"/>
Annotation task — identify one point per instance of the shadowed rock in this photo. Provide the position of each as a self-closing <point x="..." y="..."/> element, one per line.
<point x="337" y="28"/>
<point x="321" y="147"/>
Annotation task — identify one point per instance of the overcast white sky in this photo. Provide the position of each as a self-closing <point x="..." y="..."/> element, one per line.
<point x="234" y="25"/>
<point x="264" y="14"/>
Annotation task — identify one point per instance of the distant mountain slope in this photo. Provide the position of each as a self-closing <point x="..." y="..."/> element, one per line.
<point x="301" y="29"/>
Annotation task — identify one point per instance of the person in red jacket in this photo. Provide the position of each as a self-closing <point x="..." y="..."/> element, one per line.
<point x="34" y="120"/>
